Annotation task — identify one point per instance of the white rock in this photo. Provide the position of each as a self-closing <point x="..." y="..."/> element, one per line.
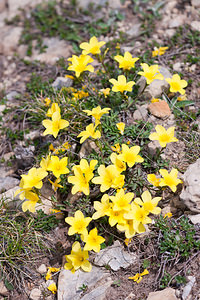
<point x="170" y="32"/>
<point x="152" y="147"/>
<point x="141" y="113"/>
<point x="196" y="3"/>
<point x="8" y="183"/>
<point x="2" y="5"/>
<point x="32" y="135"/>
<point x="35" y="294"/>
<point x="9" y="199"/>
<point x="42" y="269"/>
<point x="12" y="95"/>
<point x="195" y="219"/>
<point x="190" y="194"/>
<point x="195" y="25"/>
<point x="62" y="82"/>
<point x="3" y="289"/>
<point x="187" y="289"/>
<point x="2" y="108"/>
<point x="97" y="282"/>
<point x="9" y="38"/>
<point x="166" y="294"/>
<point x="115" y="256"/>
<point x="134" y="31"/>
<point x="179" y="20"/>
<point x="114" y="4"/>
<point x="177" y="67"/>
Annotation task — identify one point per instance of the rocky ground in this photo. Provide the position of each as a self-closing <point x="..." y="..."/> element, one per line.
<point x="35" y="42"/>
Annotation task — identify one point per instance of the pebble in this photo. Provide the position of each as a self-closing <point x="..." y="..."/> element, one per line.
<point x="8" y="183"/>
<point x="187" y="289"/>
<point x="42" y="269"/>
<point x="166" y="294"/>
<point x="62" y="82"/>
<point x="160" y="109"/>
<point x="35" y="294"/>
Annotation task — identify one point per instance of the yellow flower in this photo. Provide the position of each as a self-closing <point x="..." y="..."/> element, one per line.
<point x="182" y="98"/>
<point x="78" y="258"/>
<point x="176" y="84"/>
<point x="102" y="208"/>
<point x="127" y="241"/>
<point x="65" y="146"/>
<point x="45" y="162"/>
<point x="153" y="179"/>
<point x="150" y="73"/>
<point x="109" y="177"/>
<point x="80" y="63"/>
<point x="80" y="94"/>
<point x="54" y="108"/>
<point x="126" y="62"/>
<point x="129" y="228"/>
<point x="92" y="47"/>
<point x="169" y="179"/>
<point x="121" y="201"/>
<point x="130" y="155"/>
<point x="89" y="132"/>
<point x="168" y="215"/>
<point x="153" y="100"/>
<point x="149" y="204"/>
<point x="120" y="165"/>
<point x="55" y="185"/>
<point x="52" y="287"/>
<point x="120" y="85"/>
<point x="51" y="270"/>
<point x="163" y="136"/>
<point x="69" y="76"/>
<point x="93" y="240"/>
<point x="34" y="178"/>
<point x="68" y="265"/>
<point x="78" y="223"/>
<point x="97" y="113"/>
<point x="159" y="51"/>
<point x="51" y="147"/>
<point x="58" y="167"/>
<point x="106" y="92"/>
<point x="116" y="217"/>
<point x="53" y="127"/>
<point x="120" y="127"/>
<point x="47" y="101"/>
<point x="138" y="276"/>
<point x="140" y="217"/>
<point x="116" y="148"/>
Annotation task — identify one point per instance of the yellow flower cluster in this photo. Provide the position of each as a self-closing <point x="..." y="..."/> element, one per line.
<point x="168" y="179"/>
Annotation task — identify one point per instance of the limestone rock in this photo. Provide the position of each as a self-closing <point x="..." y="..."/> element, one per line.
<point x="97" y="282"/>
<point x="35" y="294"/>
<point x="166" y="294"/>
<point x="157" y="87"/>
<point x="140" y="113"/>
<point x="190" y="194"/>
<point x="42" y="269"/>
<point x="115" y="256"/>
<point x="8" y="183"/>
<point x="9" y="199"/>
<point x="62" y="82"/>
<point x="160" y="109"/>
<point x="195" y="25"/>
<point x="195" y="219"/>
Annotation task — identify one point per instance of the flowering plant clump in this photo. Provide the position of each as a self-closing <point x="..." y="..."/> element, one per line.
<point x="105" y="174"/>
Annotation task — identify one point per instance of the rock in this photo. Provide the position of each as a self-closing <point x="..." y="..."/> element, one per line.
<point x="14" y="5"/>
<point x="196" y="3"/>
<point x="165" y="210"/>
<point x="2" y="5"/>
<point x="42" y="269"/>
<point x="87" y="147"/>
<point x="2" y="108"/>
<point x="166" y="294"/>
<point x="35" y="294"/>
<point x="97" y="282"/>
<point x="195" y="219"/>
<point x="157" y="87"/>
<point x="10" y="201"/>
<point x="8" y="183"/>
<point x="5" y="171"/>
<point x="187" y="289"/>
<point x="9" y="38"/>
<point x="134" y="31"/>
<point x="32" y="135"/>
<point x="160" y="109"/>
<point x="114" y="4"/>
<point x="179" y="20"/>
<point x="190" y="194"/>
<point x="24" y="156"/>
<point x="170" y="32"/>
<point x="12" y="96"/>
<point x="195" y="25"/>
<point x="46" y="205"/>
<point x="115" y="256"/>
<point x="3" y="289"/>
<point x="152" y="147"/>
<point x="56" y="49"/>
<point x="177" y="67"/>
<point x="62" y="82"/>
<point x="131" y="296"/>
<point x="8" y="156"/>
<point x="140" y="113"/>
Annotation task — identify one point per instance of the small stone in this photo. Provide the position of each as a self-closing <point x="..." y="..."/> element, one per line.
<point x="134" y="31"/>
<point x="190" y="194"/>
<point x="131" y="296"/>
<point x="24" y="156"/>
<point x="11" y="201"/>
<point x="9" y="39"/>
<point x="140" y="113"/>
<point x="195" y="25"/>
<point x="62" y="82"/>
<point x="8" y="156"/>
<point x="87" y="147"/>
<point x="35" y="294"/>
<point x="177" y="67"/>
<point x="165" y="210"/>
<point x="3" y="289"/>
<point x="170" y="32"/>
<point x="195" y="219"/>
<point x="187" y="289"/>
<point x="2" y="108"/>
<point x="160" y="109"/>
<point x="115" y="256"/>
<point x="152" y="147"/>
<point x="8" y="183"/>
<point x="166" y="294"/>
<point x="32" y="135"/>
<point x="42" y="269"/>
<point x="177" y="21"/>
<point x="196" y="3"/>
